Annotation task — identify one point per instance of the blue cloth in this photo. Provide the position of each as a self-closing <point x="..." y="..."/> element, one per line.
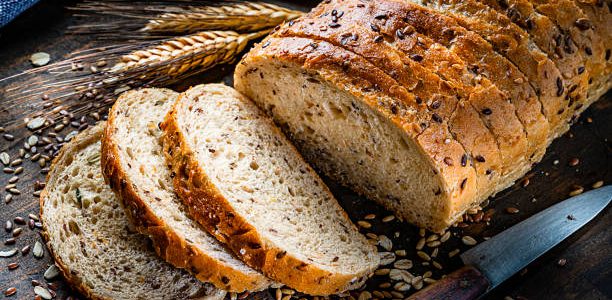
<point x="9" y="9"/>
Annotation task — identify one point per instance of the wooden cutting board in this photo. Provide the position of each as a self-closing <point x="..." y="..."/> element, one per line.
<point x="579" y="268"/>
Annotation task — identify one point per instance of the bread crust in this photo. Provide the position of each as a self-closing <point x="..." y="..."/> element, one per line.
<point x="211" y="209"/>
<point x="458" y="182"/>
<point x="78" y="142"/>
<point x="168" y="243"/>
<point x="398" y="61"/>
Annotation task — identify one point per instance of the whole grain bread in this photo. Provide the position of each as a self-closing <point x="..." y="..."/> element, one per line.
<point x="134" y="166"/>
<point x="249" y="187"/>
<point x="91" y="240"/>
<point x="339" y="100"/>
<point x="344" y="90"/>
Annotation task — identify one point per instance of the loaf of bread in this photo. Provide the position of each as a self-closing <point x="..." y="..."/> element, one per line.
<point x="247" y="185"/>
<point x="90" y="237"/>
<point x="134" y="166"/>
<point x="430" y="106"/>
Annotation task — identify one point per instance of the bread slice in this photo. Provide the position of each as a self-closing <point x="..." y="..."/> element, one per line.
<point x="91" y="239"/>
<point x="245" y="183"/>
<point x="518" y="47"/>
<point x="134" y="165"/>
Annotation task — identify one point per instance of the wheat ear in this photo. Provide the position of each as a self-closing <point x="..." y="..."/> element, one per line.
<point x="182" y="55"/>
<point x="243" y="17"/>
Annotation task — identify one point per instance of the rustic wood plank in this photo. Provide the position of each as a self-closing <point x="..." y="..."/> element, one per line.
<point x="586" y="274"/>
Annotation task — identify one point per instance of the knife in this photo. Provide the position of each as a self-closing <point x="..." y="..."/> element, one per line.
<point x="491" y="262"/>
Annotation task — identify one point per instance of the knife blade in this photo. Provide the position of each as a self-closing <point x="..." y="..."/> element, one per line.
<point x="493" y="261"/>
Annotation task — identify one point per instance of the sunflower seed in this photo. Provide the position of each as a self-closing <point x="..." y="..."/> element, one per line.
<point x="8" y="253"/>
<point x="403" y="264"/>
<point x="5" y="158"/>
<point x="385" y="242"/>
<point x="40" y="59"/>
<point x="51" y="272"/>
<point x="386" y="258"/>
<point x="388" y="219"/>
<point x="468" y="240"/>
<point x="10" y="291"/>
<point x="36" y="123"/>
<point x="38" y="250"/>
<point x="42" y="292"/>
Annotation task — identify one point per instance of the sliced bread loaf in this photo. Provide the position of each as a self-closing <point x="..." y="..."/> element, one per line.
<point x="341" y="120"/>
<point x="245" y="183"/>
<point x="135" y="167"/>
<point x="91" y="239"/>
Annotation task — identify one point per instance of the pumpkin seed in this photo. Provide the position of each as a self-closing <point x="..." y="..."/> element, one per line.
<point x="5" y="158"/>
<point x="38" y="250"/>
<point x="36" y="123"/>
<point x="8" y="253"/>
<point x="51" y="272"/>
<point x="42" y="292"/>
<point x="40" y="59"/>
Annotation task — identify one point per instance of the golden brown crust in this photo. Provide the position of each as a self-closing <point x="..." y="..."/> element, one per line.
<point x="80" y="141"/>
<point x="211" y="209"/>
<point x="168" y="243"/>
<point x="438" y="144"/>
<point x="438" y="94"/>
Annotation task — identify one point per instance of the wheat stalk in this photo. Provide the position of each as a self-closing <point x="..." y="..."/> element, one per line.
<point x="237" y="16"/>
<point x="142" y="64"/>
<point x="184" y="54"/>
<point x="142" y="21"/>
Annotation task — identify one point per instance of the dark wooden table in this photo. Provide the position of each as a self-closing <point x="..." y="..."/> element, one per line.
<point x="586" y="274"/>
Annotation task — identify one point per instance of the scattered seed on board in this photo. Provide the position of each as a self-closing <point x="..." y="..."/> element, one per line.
<point x="5" y="158"/>
<point x="386" y="258"/>
<point x="365" y="295"/>
<point x="424" y="256"/>
<point x="420" y="244"/>
<point x="17" y="231"/>
<point x="36" y="123"/>
<point x="437" y="265"/>
<point x="562" y="262"/>
<point x="468" y="240"/>
<point x="445" y="237"/>
<point x="370" y="217"/>
<point x="385" y="242"/>
<point x="574" y="162"/>
<point x="8" y="253"/>
<point x="576" y="191"/>
<point x="597" y="184"/>
<point x="401" y="286"/>
<point x="401" y="252"/>
<point x="364" y="224"/>
<point x="12" y="266"/>
<point x="512" y="210"/>
<point x="382" y="272"/>
<point x="40" y="59"/>
<point x="388" y="219"/>
<point x="51" y="272"/>
<point x="38" y="250"/>
<point x="25" y="250"/>
<point x="10" y="291"/>
<point x="403" y="264"/>
<point x="42" y="292"/>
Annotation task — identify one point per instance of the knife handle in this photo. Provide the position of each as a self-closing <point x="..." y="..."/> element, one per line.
<point x="464" y="284"/>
